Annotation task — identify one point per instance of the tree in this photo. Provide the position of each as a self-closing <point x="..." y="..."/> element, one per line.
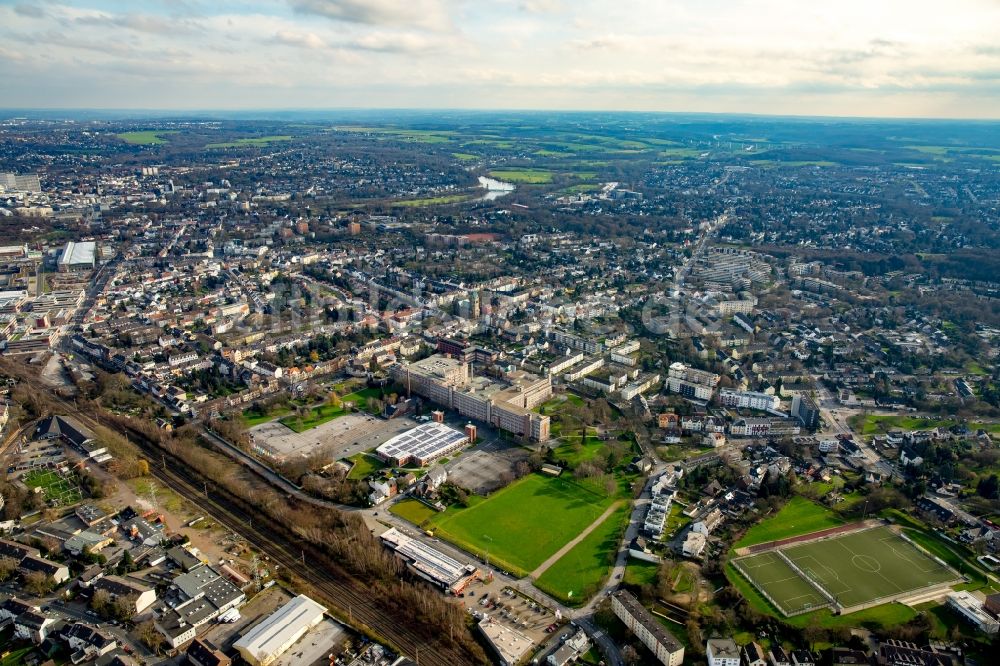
<point x="630" y="655"/>
<point x="150" y="636"/>
<point x="38" y="583"/>
<point x="989" y="487"/>
<point x="100" y="601"/>
<point x="8" y="565"/>
<point x="124" y="607"/>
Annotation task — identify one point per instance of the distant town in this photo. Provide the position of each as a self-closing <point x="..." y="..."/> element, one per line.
<point x="499" y="388"/>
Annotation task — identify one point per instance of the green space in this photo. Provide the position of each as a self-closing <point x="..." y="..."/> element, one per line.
<point x="257" y="141"/>
<point x="313" y="417"/>
<point x="146" y="137"/>
<point x="798" y="516"/>
<point x="578" y="575"/>
<point x="465" y="157"/>
<point x="414" y="135"/>
<point x="17" y="656"/>
<point x="433" y="201"/>
<point x="253" y="417"/>
<point x="523" y="176"/>
<point x="57" y="489"/>
<point x="640" y="573"/>
<point x="413" y="510"/>
<point x="573" y="449"/>
<point x="523" y="524"/>
<point x="873" y="424"/>
<point x="364" y="465"/>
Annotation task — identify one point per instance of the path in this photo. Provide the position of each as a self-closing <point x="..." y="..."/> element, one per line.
<point x="580" y="537"/>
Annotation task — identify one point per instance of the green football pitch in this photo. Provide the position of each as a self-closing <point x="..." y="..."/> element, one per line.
<point x="854" y="568"/>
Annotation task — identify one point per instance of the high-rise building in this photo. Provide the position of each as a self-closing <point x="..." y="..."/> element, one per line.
<point x="806" y="411"/>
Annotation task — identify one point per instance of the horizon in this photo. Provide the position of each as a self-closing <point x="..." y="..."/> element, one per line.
<point x="894" y="59"/>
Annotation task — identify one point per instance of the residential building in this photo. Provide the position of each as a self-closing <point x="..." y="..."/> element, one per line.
<point x="806" y="411"/>
<point x="972" y="611"/>
<point x="722" y="652"/>
<point x="647" y="628"/>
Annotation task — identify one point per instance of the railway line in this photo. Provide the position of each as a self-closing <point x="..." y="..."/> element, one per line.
<point x="343" y="594"/>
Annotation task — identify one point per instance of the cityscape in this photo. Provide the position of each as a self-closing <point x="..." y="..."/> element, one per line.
<point x="314" y="383"/>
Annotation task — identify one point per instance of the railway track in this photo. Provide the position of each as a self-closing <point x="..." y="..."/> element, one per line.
<point x="343" y="594"/>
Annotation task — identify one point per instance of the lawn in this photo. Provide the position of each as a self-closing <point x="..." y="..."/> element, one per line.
<point x="252" y="418"/>
<point x="523" y="524"/>
<point x="799" y="516"/>
<point x="146" y="137"/>
<point x="465" y="157"/>
<point x="364" y="464"/>
<point x="316" y="416"/>
<point x="874" y="424"/>
<point x="433" y="201"/>
<point x="638" y="572"/>
<point x="257" y="141"/>
<point x="58" y="489"/>
<point x="524" y="176"/>
<point x="413" y="510"/>
<point x="577" y="575"/>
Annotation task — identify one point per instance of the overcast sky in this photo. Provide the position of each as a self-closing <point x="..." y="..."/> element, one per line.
<point x="810" y="57"/>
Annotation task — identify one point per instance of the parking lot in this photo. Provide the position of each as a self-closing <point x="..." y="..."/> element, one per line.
<point x="343" y="436"/>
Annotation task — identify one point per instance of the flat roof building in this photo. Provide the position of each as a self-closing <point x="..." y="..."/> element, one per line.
<point x="78" y="256"/>
<point x="430" y="563"/>
<point x="422" y="445"/>
<point x="279" y="631"/>
<point x="508" y="644"/>
<point x="647" y="629"/>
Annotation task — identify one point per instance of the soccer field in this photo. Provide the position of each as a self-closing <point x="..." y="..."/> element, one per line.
<point x="787" y="590"/>
<point x="853" y="569"/>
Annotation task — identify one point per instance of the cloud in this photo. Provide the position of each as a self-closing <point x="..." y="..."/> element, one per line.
<point x="31" y="11"/>
<point x="427" y="14"/>
<point x="302" y="40"/>
<point x="542" y="6"/>
<point x="156" y="25"/>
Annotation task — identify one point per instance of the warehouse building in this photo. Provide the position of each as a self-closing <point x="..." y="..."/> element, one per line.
<point x="78" y="257"/>
<point x="279" y="631"/>
<point x="422" y="445"/>
<point x="430" y="563"/>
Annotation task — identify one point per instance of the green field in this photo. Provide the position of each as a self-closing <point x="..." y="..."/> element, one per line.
<point x="320" y="414"/>
<point x="364" y="464"/>
<point x="433" y="201"/>
<point x="252" y="418"/>
<point x="257" y="141"/>
<point x="523" y="176"/>
<point x="146" y="137"/>
<point x="640" y="573"/>
<point x="854" y="568"/>
<point x="799" y="516"/>
<point x="523" y="524"/>
<point x="465" y="157"/>
<point x="413" y="510"/>
<point x="56" y="488"/>
<point x="577" y="575"/>
<point x="874" y="424"/>
<point x="788" y="591"/>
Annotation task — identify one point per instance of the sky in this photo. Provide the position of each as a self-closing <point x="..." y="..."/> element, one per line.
<point x="896" y="58"/>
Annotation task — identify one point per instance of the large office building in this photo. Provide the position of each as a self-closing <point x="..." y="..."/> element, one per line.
<point x="691" y="383"/>
<point x="17" y="182"/>
<point x="279" y="631"/>
<point x="647" y="628"/>
<point x="504" y="401"/>
<point x="422" y="445"/>
<point x="78" y="257"/>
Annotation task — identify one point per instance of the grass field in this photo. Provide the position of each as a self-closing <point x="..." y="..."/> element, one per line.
<point x="799" y="516"/>
<point x="638" y="572"/>
<point x="854" y="568"/>
<point x="320" y="414"/>
<point x="364" y="464"/>
<point x="523" y="524"/>
<point x="146" y="137"/>
<point x="413" y="510"/>
<point x="257" y="141"/>
<point x="252" y="418"/>
<point x="875" y="424"/>
<point x="577" y="575"/>
<point x="523" y="176"/>
<point x="433" y="201"/>
<point x="56" y="488"/>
